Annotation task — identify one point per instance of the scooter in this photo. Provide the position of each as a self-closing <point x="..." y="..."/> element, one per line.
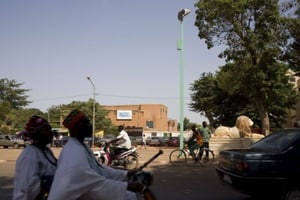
<point x="146" y="179"/>
<point x="128" y="159"/>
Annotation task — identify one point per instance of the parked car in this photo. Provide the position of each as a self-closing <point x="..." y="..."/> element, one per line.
<point x="10" y="141"/>
<point x="270" y="168"/>
<point x="154" y="141"/>
<point x="165" y="141"/>
<point x="88" y="141"/>
<point x="174" y="142"/>
<point x="61" y="142"/>
<point x="139" y="140"/>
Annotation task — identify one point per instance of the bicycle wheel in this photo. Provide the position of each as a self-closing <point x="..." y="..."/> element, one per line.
<point x="204" y="161"/>
<point x="177" y="157"/>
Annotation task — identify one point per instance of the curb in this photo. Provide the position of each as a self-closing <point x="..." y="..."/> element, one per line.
<point x="141" y="161"/>
<point x="5" y="161"/>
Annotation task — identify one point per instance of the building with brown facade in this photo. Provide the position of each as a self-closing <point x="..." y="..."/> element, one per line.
<point x="149" y="117"/>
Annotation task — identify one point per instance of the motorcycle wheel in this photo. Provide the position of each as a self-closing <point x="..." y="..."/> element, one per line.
<point x="147" y="195"/>
<point x="132" y="162"/>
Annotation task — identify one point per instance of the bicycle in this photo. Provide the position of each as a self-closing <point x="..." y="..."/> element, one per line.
<point x="180" y="157"/>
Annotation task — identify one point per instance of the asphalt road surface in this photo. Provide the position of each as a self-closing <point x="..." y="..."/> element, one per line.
<point x="190" y="182"/>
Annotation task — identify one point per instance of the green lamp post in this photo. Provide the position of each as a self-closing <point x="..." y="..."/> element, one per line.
<point x="181" y="15"/>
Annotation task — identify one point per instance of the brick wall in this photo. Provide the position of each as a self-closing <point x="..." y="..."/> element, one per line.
<point x="148" y="116"/>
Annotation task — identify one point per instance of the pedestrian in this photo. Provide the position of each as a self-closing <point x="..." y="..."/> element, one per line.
<point x="80" y="176"/>
<point x="206" y="134"/>
<point x="143" y="142"/>
<point x="36" y="165"/>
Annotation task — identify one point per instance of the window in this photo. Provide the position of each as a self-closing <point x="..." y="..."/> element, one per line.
<point x="149" y="124"/>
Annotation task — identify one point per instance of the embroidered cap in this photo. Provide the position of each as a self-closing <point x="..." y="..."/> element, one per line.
<point x="74" y="116"/>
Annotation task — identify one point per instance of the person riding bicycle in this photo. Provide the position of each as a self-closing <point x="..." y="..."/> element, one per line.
<point x="194" y="142"/>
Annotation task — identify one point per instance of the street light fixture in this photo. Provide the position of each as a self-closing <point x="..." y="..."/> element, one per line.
<point x="94" y="102"/>
<point x="181" y="15"/>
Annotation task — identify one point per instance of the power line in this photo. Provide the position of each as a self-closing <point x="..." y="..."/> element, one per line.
<point x="66" y="97"/>
<point x="108" y="95"/>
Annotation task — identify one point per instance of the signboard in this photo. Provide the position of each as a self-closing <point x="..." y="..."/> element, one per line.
<point x="124" y="114"/>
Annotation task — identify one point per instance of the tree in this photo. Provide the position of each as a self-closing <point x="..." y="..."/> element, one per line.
<point x="59" y="112"/>
<point x="11" y="97"/>
<point x="216" y="104"/>
<point x="293" y="49"/>
<point x="11" y="92"/>
<point x="254" y="34"/>
<point x="19" y="117"/>
<point x="203" y="92"/>
<point x="186" y="124"/>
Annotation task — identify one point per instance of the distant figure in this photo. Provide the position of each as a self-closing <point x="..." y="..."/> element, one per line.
<point x="206" y="134"/>
<point x="144" y="142"/>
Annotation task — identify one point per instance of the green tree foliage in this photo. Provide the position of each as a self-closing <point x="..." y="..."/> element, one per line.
<point x="216" y="104"/>
<point x="58" y="113"/>
<point x="254" y="35"/>
<point x="293" y="49"/>
<point x="13" y="115"/>
<point x="19" y="117"/>
<point x="11" y="93"/>
<point x="12" y="97"/>
<point x="204" y="91"/>
<point x="186" y="124"/>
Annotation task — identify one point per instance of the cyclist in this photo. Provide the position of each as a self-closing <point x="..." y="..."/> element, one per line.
<point x="194" y="141"/>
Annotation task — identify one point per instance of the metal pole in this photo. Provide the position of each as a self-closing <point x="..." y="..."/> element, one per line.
<point x="94" y="104"/>
<point x="181" y="15"/>
<point x="181" y="85"/>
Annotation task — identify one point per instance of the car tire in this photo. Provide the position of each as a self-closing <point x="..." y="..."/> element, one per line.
<point x="292" y="194"/>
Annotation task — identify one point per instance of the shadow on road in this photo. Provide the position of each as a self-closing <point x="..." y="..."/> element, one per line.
<point x="191" y="182"/>
<point x="6" y="187"/>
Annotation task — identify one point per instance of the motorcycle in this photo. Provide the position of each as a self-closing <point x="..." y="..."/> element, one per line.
<point x="127" y="158"/>
<point x="146" y="179"/>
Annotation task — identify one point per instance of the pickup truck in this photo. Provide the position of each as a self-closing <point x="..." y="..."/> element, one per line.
<point x="8" y="141"/>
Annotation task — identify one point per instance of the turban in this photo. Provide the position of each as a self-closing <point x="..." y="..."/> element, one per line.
<point x="33" y="126"/>
<point x="73" y="118"/>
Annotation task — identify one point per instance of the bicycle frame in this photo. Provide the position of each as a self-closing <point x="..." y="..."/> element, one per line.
<point x="180" y="156"/>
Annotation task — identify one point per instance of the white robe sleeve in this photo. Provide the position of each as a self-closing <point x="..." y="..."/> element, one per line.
<point x="27" y="178"/>
<point x="75" y="179"/>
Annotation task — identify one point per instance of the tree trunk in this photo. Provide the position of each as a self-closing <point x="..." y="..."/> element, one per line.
<point x="210" y="118"/>
<point x="265" y="122"/>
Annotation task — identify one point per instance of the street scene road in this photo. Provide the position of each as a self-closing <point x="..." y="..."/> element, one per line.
<point x="189" y="182"/>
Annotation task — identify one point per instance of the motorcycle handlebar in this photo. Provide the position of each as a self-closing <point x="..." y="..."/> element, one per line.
<point x="150" y="160"/>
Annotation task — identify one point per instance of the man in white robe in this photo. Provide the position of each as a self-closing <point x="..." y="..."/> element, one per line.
<point x="123" y="135"/>
<point x="80" y="176"/>
<point x="36" y="164"/>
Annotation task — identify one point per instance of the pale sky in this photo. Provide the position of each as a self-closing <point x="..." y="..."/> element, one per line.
<point x="127" y="47"/>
